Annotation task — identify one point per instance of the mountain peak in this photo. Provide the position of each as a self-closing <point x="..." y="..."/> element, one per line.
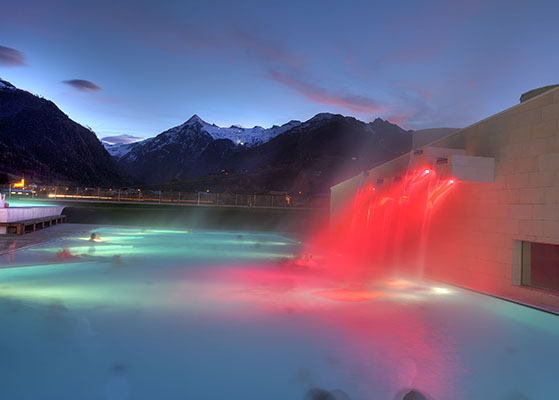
<point x="6" y="85"/>
<point x="323" y="116"/>
<point x="380" y="123"/>
<point x="195" y="118"/>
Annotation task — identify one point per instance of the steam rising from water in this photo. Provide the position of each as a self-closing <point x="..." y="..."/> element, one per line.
<point x="197" y="314"/>
<point x="382" y="231"/>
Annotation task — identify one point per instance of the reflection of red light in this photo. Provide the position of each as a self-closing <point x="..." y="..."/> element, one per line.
<point x="384" y="200"/>
<point x="399" y="338"/>
<point x="372" y="237"/>
<point x="350" y="295"/>
<point x="398" y="283"/>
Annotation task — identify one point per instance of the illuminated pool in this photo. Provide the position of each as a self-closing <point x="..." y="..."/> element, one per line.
<point x="165" y="314"/>
<point x="18" y="202"/>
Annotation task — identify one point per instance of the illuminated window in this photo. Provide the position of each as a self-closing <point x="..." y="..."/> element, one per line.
<point x="540" y="265"/>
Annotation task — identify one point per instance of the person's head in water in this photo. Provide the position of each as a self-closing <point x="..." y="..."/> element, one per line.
<point x="65" y="255"/>
<point x="94" y="237"/>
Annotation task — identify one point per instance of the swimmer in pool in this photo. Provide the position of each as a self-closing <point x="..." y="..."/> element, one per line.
<point x="94" y="237"/>
<point x="65" y="255"/>
<point x="11" y="251"/>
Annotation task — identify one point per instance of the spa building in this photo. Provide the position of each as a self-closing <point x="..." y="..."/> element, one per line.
<point x="497" y="230"/>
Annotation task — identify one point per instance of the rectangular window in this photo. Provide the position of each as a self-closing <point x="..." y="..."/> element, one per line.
<point x="540" y="265"/>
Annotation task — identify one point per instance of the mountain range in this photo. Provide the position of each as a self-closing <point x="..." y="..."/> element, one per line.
<point x="241" y="136"/>
<point x="37" y="139"/>
<point x="326" y="146"/>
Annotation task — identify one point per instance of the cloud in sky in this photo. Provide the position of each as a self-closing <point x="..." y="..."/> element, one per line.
<point x="354" y="103"/>
<point x="11" y="57"/>
<point x="119" y="139"/>
<point x="266" y="50"/>
<point x="83" y="85"/>
<point x="421" y="64"/>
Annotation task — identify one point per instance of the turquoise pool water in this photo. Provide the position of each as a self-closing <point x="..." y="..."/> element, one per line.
<point x="167" y="314"/>
<point x="23" y="202"/>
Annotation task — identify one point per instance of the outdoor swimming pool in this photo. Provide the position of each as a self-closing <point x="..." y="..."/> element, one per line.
<point x="168" y="314"/>
<point x="18" y="202"/>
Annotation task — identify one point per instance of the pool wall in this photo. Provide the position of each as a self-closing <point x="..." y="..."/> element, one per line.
<point x="476" y="233"/>
<point x="14" y="214"/>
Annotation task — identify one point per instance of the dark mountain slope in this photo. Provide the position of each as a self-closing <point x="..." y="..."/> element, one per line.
<point x="41" y="142"/>
<point x="171" y="154"/>
<point x="325" y="149"/>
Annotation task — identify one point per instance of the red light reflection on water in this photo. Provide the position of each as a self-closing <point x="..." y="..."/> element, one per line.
<point x="351" y="295"/>
<point x="398" y="283"/>
<point x="343" y="284"/>
<point x="383" y="338"/>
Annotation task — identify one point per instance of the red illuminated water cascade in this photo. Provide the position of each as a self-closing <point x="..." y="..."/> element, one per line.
<point x="383" y="230"/>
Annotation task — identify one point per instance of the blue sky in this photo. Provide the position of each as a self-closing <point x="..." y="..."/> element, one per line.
<point x="153" y="64"/>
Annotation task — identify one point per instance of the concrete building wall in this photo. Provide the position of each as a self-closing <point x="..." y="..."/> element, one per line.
<point x="484" y="223"/>
<point x="341" y="193"/>
<point x="425" y="136"/>
<point x="475" y="234"/>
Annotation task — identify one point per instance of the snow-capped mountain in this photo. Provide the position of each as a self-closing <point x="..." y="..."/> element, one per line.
<point x="298" y="156"/>
<point x="239" y="136"/>
<point x="248" y="137"/>
<point x="119" y="145"/>
<point x="325" y="142"/>
<point x="118" y="150"/>
<point x="6" y="85"/>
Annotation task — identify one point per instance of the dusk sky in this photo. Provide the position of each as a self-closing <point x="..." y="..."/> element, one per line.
<point x="142" y="67"/>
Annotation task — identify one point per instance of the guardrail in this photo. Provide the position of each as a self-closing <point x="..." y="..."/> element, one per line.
<point x="203" y="198"/>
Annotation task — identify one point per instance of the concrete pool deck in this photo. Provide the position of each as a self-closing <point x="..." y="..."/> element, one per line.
<point x="538" y="306"/>
<point x="20" y="218"/>
<point x="13" y="214"/>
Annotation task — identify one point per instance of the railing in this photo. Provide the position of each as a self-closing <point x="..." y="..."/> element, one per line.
<point x="166" y="197"/>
